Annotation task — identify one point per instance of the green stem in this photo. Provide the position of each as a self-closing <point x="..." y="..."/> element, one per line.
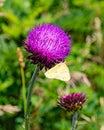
<point x="74" y="119"/>
<point x="23" y="89"/>
<point x="30" y="89"/>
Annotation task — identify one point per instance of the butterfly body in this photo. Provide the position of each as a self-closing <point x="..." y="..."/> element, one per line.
<point x="60" y="71"/>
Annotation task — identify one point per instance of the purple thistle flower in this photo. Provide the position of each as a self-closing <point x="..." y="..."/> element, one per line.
<point x="48" y="45"/>
<point x="72" y="102"/>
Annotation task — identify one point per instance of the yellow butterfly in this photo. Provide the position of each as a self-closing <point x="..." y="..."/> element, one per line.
<point x="60" y="71"/>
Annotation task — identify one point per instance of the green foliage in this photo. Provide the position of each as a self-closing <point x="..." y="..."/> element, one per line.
<point x="76" y="18"/>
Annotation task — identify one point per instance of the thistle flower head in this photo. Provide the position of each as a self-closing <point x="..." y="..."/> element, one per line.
<point x="47" y="45"/>
<point x="72" y="102"/>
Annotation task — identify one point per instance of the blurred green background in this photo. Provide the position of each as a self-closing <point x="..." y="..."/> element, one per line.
<point x="83" y="20"/>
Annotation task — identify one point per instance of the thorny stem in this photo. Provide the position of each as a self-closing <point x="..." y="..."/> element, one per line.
<point x="74" y="119"/>
<point x="28" y="104"/>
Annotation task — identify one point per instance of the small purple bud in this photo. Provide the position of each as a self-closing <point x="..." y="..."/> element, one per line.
<point x="72" y="102"/>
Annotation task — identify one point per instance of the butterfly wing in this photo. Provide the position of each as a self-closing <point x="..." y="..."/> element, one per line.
<point x="60" y="71"/>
